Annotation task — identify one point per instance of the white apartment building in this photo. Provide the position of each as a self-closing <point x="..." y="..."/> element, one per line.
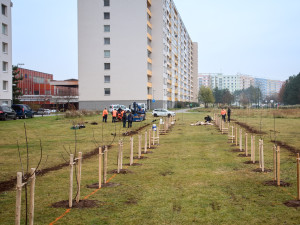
<point x="6" y="54"/>
<point x="134" y="50"/>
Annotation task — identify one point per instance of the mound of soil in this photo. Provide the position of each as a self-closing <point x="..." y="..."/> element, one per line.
<point x="133" y="132"/>
<point x="251" y="162"/>
<point x="249" y="128"/>
<point x="134" y="164"/>
<point x="244" y="155"/>
<point x="131" y="201"/>
<point x="287" y="146"/>
<point x="80" y="205"/>
<point x="292" y="203"/>
<point x="106" y="185"/>
<point x="142" y="157"/>
<point x="258" y="170"/>
<point x="122" y="171"/>
<point x="274" y="183"/>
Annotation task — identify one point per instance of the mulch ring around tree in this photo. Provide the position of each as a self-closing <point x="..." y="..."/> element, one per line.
<point x="274" y="183"/>
<point x="251" y="162"/>
<point x="131" y="201"/>
<point x="122" y="171"/>
<point x="134" y="164"/>
<point x="106" y="185"/>
<point x="292" y="203"/>
<point x="259" y="170"/>
<point x="82" y="204"/>
<point x="244" y="155"/>
<point x="142" y="157"/>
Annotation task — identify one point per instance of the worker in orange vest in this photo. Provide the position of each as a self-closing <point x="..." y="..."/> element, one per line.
<point x="223" y="113"/>
<point x="114" y="116"/>
<point x="104" y="115"/>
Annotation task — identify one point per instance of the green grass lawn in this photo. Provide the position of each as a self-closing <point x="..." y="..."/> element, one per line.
<point x="192" y="177"/>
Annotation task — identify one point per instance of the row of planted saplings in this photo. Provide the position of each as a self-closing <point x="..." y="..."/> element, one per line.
<point x="236" y="135"/>
<point x="151" y="139"/>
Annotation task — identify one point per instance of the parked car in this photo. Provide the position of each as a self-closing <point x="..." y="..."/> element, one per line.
<point x="116" y="107"/>
<point x="42" y="111"/>
<point x="162" y="112"/>
<point x="7" y="112"/>
<point x="23" y="111"/>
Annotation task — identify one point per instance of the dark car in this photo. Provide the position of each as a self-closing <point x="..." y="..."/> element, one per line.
<point x="23" y="111"/>
<point x="7" y="112"/>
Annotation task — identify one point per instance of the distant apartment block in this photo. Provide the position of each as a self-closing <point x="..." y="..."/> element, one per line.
<point x="137" y="50"/>
<point x="238" y="82"/>
<point x="6" y="53"/>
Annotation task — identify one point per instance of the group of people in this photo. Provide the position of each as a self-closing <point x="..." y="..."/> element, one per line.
<point x="224" y="113"/>
<point x="121" y="114"/>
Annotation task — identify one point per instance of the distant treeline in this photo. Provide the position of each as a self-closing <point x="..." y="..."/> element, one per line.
<point x="290" y="92"/>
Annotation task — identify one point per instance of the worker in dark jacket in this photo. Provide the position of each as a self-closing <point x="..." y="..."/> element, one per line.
<point x="228" y="114"/>
<point x="124" y="118"/>
<point x="130" y="119"/>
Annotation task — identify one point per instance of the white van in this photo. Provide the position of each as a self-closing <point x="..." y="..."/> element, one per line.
<point x="143" y="106"/>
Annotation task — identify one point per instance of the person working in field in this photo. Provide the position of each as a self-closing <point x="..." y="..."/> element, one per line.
<point x="104" y="115"/>
<point x="223" y="113"/>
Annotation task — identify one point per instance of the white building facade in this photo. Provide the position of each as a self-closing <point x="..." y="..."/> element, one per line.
<point x="6" y="54"/>
<point x="134" y="50"/>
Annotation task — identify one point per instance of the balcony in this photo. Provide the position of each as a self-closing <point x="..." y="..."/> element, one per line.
<point x="149" y="96"/>
<point x="149" y="73"/>
<point x="176" y="84"/>
<point x="149" y="48"/>
<point x="149" y="12"/>
<point x="149" y="2"/>
<point x="169" y="82"/>
<point x="149" y="36"/>
<point x="149" y="60"/>
<point x="176" y="92"/>
<point x="169" y="90"/>
<point x="169" y="98"/>
<point x="149" y="84"/>
<point x="149" y="24"/>
<point x="176" y="99"/>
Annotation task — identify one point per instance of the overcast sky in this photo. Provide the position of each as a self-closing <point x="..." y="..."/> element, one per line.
<point x="255" y="37"/>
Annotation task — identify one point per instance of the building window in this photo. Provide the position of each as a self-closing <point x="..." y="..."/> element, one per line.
<point x="4" y="28"/>
<point x="106" y="2"/>
<point x="107" y="66"/>
<point x="106" y="91"/>
<point x="4" y="47"/>
<point x="4" y="66"/>
<point x="106" y="53"/>
<point x="107" y="41"/>
<point x="106" y="79"/>
<point x="106" y="15"/>
<point x="106" y="28"/>
<point x="4" y="10"/>
<point x="5" y="85"/>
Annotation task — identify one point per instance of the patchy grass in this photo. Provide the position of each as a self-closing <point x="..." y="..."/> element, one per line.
<point x="193" y="177"/>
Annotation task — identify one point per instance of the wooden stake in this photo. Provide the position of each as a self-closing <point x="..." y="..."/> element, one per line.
<point x="131" y="150"/>
<point x="105" y="165"/>
<point x="79" y="175"/>
<point x="246" y="144"/>
<point x="18" y="198"/>
<point x="253" y="149"/>
<point x="100" y="167"/>
<point x="153" y="137"/>
<point x="262" y="156"/>
<point x="259" y="152"/>
<point x="121" y="166"/>
<point x="298" y="177"/>
<point x="241" y="140"/>
<point x="274" y="163"/>
<point x="31" y="203"/>
<point x="236" y="134"/>
<point x="119" y="158"/>
<point x="149" y="138"/>
<point x="140" y="147"/>
<point x="71" y="181"/>
<point x="278" y="165"/>
<point x="251" y="146"/>
<point x="158" y="135"/>
<point x="145" y="148"/>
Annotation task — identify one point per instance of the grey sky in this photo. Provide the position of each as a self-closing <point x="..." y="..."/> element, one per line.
<point x="255" y="37"/>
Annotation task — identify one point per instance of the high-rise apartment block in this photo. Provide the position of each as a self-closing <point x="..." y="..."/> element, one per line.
<point x="134" y="50"/>
<point x="6" y="53"/>
<point x="238" y="82"/>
